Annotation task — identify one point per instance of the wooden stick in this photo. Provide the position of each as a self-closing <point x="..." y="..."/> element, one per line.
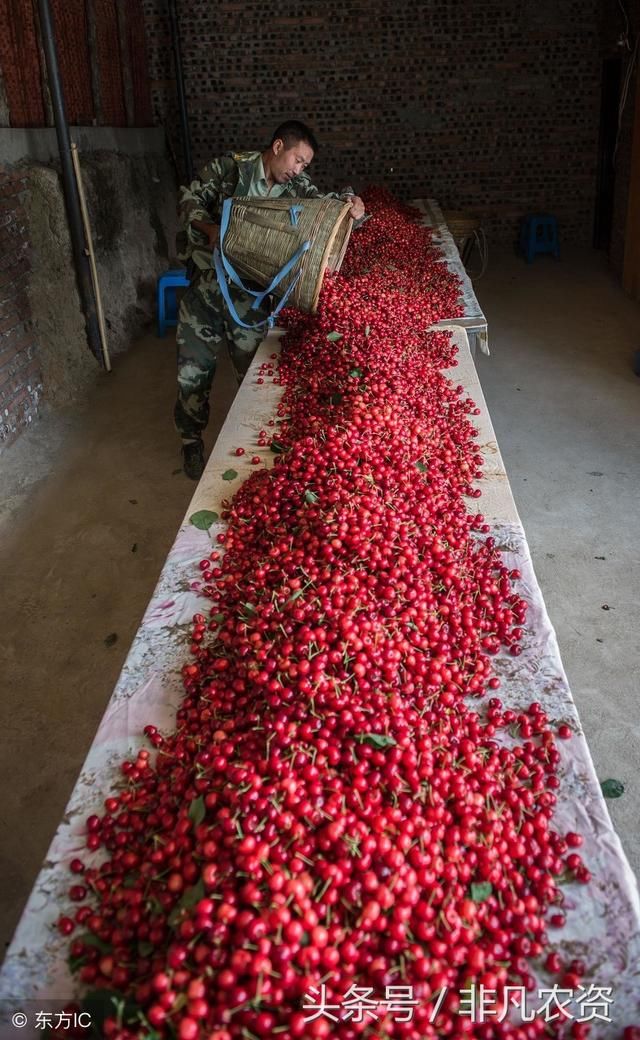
<point x="92" y="257"/>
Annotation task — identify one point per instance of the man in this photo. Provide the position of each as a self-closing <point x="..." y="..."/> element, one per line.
<point x="204" y="321"/>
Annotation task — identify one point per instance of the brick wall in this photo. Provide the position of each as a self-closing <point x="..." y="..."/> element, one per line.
<point x="70" y="23"/>
<point x="137" y="46"/>
<point x="487" y="105"/>
<point x="109" y="63"/>
<point x="20" y="377"/>
<point x="20" y="63"/>
<point x="101" y="55"/>
<point x="96" y="55"/>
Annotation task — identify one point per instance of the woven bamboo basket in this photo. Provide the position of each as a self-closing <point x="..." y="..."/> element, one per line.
<point x="461" y="225"/>
<point x="262" y="237"/>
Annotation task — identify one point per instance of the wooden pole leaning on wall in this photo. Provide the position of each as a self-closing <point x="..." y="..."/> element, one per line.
<point x="69" y="183"/>
<point x="92" y="257"/>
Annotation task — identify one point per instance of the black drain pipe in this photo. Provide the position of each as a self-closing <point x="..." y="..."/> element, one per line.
<point x="71" y="197"/>
<point x="182" y="101"/>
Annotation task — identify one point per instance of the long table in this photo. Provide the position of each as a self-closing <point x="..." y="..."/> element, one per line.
<point x="472" y="318"/>
<point x="603" y="918"/>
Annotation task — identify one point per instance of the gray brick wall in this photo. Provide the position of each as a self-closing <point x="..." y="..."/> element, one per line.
<point x="488" y="105"/>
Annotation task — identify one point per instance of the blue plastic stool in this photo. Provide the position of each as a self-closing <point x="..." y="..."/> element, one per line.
<point x="166" y="297"/>
<point x="539" y="234"/>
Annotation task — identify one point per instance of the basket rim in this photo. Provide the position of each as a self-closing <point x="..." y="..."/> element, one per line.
<point x="338" y="226"/>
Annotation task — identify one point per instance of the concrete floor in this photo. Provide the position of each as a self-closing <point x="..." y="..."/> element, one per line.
<point x="92" y="499"/>
<point x="566" y="410"/>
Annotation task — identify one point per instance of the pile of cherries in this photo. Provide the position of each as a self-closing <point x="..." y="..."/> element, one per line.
<point x="337" y="810"/>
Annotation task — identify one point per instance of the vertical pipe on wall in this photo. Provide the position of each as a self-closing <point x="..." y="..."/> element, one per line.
<point x="72" y="201"/>
<point x="182" y="101"/>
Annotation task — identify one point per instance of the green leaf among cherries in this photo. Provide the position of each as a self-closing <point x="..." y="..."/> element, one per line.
<point x="376" y="740"/>
<point x="197" y="811"/>
<point x="190" y="897"/>
<point x="481" y="890"/>
<point x="203" y="519"/>
<point x="101" y="1004"/>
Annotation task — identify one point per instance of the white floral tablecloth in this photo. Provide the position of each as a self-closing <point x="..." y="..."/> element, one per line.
<point x="603" y="918"/>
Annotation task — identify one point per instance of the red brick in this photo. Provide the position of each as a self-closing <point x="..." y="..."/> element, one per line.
<point x="15" y="305"/>
<point x="109" y="63"/>
<point x="7" y="277"/>
<point x="11" y="191"/>
<point x="21" y="396"/>
<point x="33" y="372"/>
<point x="13" y="258"/>
<point x="13" y="279"/>
<point x="10" y="322"/>
<point x="21" y="356"/>
<point x="8" y="306"/>
<point x="20" y="63"/>
<point x="23" y="306"/>
<point x="11" y="196"/>
<point x="12" y="344"/>
<point x="71" y="31"/>
<point x="138" y="62"/>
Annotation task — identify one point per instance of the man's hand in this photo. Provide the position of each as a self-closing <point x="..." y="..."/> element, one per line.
<point x="357" y="207"/>
<point x="212" y="231"/>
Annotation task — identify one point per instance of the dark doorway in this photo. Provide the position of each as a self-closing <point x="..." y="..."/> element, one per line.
<point x="609" y="102"/>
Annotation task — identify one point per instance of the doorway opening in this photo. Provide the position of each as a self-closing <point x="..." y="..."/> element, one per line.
<point x="606" y="176"/>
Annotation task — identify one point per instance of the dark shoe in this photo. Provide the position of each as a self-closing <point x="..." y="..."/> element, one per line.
<point x="193" y="459"/>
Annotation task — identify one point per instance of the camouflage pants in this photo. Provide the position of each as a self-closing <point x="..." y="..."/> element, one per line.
<point x="204" y="325"/>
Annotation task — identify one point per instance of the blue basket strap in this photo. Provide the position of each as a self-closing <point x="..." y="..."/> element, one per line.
<point x="224" y="289"/>
<point x="282" y="273"/>
<point x="294" y="213"/>
<point x="284" y="298"/>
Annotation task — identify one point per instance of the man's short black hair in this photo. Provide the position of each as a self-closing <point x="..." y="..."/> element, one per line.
<point x="293" y="131"/>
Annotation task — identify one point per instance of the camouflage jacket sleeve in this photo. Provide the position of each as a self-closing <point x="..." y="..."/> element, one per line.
<point x="302" y="188"/>
<point x="202" y="200"/>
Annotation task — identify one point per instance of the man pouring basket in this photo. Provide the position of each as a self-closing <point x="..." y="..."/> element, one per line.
<point x="219" y="306"/>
